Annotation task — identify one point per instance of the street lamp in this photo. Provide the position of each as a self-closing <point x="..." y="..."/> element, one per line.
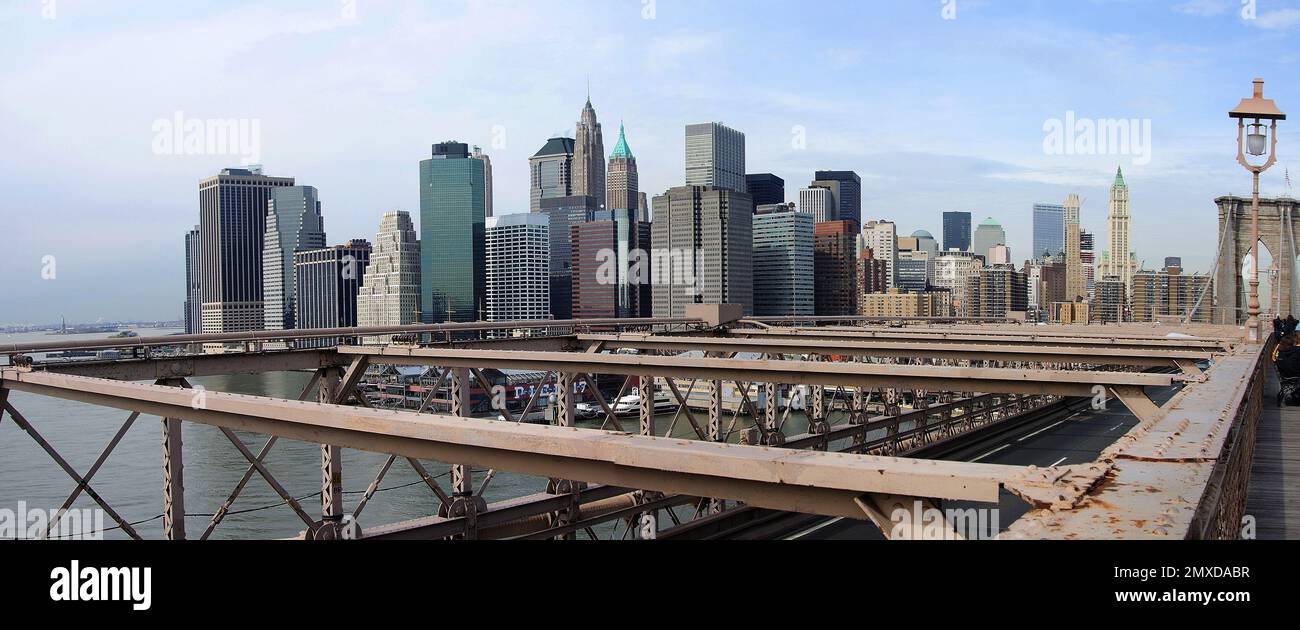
<point x="1260" y="140"/>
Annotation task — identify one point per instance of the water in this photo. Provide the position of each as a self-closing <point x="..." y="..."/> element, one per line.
<point x="131" y="479"/>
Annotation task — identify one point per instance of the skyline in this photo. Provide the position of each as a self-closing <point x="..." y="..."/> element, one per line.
<point x="929" y="125"/>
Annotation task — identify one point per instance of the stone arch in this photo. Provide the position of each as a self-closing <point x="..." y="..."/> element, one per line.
<point x="1279" y="219"/>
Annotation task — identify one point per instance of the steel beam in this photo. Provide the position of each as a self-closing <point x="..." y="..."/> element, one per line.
<point x="799" y="481"/>
<point x="993" y="380"/>
<point x="964" y="350"/>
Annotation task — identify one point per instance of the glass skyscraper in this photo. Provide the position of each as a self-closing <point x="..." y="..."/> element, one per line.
<point x="956" y="231"/>
<point x="849" y="194"/>
<point x="452" y="212"/>
<point x="1049" y="230"/>
<point x="715" y="156"/>
<point x="293" y="223"/>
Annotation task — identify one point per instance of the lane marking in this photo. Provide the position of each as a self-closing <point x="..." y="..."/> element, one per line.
<point x="809" y="531"/>
<point x="1115" y="427"/>
<point x="1058" y="461"/>
<point x="1022" y="439"/>
<point x="990" y="452"/>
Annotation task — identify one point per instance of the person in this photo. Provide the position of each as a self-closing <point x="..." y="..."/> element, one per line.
<point x="1287" y="362"/>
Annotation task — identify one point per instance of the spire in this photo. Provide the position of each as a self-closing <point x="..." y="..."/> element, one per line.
<point x="620" y="149"/>
<point x="1119" y="177"/>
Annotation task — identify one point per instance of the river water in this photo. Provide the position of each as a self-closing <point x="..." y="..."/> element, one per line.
<point x="131" y="479"/>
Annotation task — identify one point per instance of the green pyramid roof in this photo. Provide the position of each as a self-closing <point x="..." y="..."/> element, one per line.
<point x="1119" y="178"/>
<point x="621" y="150"/>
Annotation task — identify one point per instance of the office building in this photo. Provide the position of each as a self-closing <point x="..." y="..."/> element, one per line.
<point x="1069" y="313"/>
<point x="819" y="203"/>
<point x="518" y="267"/>
<point x="956" y="231"/>
<point x="453" y="208"/>
<point x="623" y="181"/>
<point x="999" y="255"/>
<point x="835" y="268"/>
<point x="589" y="155"/>
<point x="848" y="192"/>
<point x="293" y="223"/>
<point x="232" y="225"/>
<point x="914" y="271"/>
<point x="562" y="214"/>
<point x="1049" y="230"/>
<point x="783" y="263"/>
<point x="703" y="249"/>
<point x="193" y="282"/>
<point x="715" y="156"/>
<point x="882" y="238"/>
<point x="610" y="266"/>
<point x="1119" y="260"/>
<point x="390" y="289"/>
<point x="953" y="271"/>
<point x="327" y="282"/>
<point x="988" y="235"/>
<point x="765" y="188"/>
<point x="551" y="172"/>
<point x="1088" y="254"/>
<point x="1076" y="278"/>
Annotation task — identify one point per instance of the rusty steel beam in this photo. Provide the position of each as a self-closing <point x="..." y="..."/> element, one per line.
<point x="989" y="351"/>
<point x="991" y="380"/>
<point x="155" y="368"/>
<point x="263" y="336"/>
<point x="1019" y="338"/>
<point x="797" y="481"/>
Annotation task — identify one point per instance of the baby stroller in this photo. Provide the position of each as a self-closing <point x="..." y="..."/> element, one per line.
<point x="1289" y="393"/>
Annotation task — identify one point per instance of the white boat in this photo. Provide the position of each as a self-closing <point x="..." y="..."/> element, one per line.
<point x="631" y="404"/>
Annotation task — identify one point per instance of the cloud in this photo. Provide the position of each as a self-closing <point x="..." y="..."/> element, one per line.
<point x="1279" y="20"/>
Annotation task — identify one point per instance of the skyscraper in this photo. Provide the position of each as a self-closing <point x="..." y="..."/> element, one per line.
<point x="765" y="188"/>
<point x="956" y="231"/>
<point x="232" y="224"/>
<point x="882" y="238"/>
<point x="327" y="280"/>
<point x="1076" y="280"/>
<point x="996" y="291"/>
<point x="835" y="264"/>
<point x="1088" y="254"/>
<point x="988" y="234"/>
<point x="819" y="203"/>
<point x="715" y="156"/>
<point x="849" y="195"/>
<point x="453" y="208"/>
<point x="783" y="263"/>
<point x="624" y="182"/>
<point x="390" y="289"/>
<point x="610" y="266"/>
<point x="589" y="155"/>
<point x="703" y="249"/>
<point x="1119" y="260"/>
<point x="551" y="172"/>
<point x="517" y="250"/>
<point x="562" y="213"/>
<point x="193" y="282"/>
<point x="1049" y="230"/>
<point x="478" y="154"/>
<point x="953" y="271"/>
<point x="293" y="223"/>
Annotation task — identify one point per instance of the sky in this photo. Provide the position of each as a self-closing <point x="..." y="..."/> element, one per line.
<point x="939" y="105"/>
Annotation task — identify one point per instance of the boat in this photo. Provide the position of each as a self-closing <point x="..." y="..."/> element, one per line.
<point x="631" y="405"/>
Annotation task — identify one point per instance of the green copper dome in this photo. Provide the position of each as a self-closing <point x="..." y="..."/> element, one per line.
<point x="990" y="222"/>
<point x="620" y="149"/>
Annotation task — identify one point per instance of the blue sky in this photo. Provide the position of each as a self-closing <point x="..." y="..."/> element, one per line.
<point x="935" y="114"/>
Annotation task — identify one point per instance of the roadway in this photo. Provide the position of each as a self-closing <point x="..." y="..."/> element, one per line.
<point x="1079" y="437"/>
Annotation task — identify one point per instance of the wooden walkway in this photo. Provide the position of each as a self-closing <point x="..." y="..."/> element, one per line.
<point x="1274" y="498"/>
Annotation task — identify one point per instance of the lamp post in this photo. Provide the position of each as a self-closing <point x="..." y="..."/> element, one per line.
<point x="1260" y="141"/>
